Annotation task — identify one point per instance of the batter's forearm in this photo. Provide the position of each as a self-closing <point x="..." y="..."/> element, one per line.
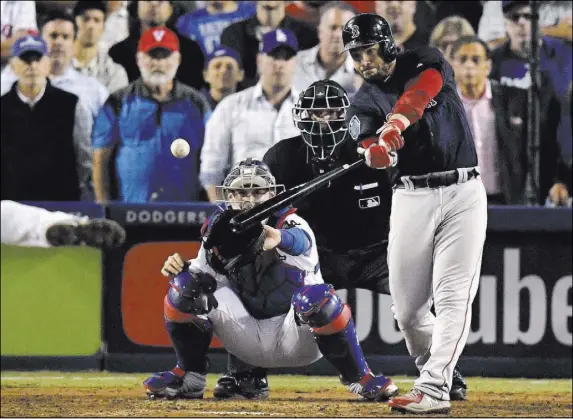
<point x="418" y="93"/>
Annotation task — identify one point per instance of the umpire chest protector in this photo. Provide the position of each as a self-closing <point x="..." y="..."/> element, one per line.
<point x="267" y="285"/>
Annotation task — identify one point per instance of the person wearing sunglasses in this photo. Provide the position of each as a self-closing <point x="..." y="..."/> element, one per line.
<point x="510" y="67"/>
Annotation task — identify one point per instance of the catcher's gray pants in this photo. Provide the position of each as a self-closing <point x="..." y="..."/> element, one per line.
<point x="435" y="251"/>
<point x="270" y="343"/>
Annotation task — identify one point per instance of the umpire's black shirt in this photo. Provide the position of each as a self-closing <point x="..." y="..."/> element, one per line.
<point x="351" y="213"/>
<point x="441" y="140"/>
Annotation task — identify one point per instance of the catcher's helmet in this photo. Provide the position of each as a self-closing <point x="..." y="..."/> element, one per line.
<point x="250" y="175"/>
<point x="368" y="29"/>
<point x="320" y="115"/>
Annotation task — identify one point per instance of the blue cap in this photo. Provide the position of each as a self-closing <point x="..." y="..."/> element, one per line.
<point x="222" y="51"/>
<point x="278" y="38"/>
<point x="29" y="43"/>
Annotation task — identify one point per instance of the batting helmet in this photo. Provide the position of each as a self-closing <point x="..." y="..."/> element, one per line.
<point x="369" y="29"/>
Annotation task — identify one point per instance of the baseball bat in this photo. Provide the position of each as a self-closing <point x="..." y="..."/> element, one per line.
<point x="264" y="210"/>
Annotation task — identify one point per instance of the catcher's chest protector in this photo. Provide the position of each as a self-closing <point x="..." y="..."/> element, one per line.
<point x="267" y="285"/>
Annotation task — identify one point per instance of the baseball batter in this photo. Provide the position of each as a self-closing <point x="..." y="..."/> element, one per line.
<point x="231" y="297"/>
<point x="439" y="208"/>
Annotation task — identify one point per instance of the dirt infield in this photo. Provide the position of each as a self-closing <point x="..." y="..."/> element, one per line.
<point x="319" y="397"/>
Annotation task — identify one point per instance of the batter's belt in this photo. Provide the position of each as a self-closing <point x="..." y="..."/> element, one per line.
<point x="438" y="179"/>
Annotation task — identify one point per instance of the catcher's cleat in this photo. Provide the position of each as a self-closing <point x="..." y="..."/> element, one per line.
<point x="459" y="387"/>
<point x="98" y="232"/>
<point x="417" y="402"/>
<point x="376" y="388"/>
<point x="175" y="384"/>
<point x="243" y="385"/>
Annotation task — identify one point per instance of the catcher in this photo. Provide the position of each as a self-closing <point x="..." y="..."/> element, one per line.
<point x="236" y="285"/>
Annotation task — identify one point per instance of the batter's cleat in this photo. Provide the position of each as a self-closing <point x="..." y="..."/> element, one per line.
<point x="419" y="403"/>
<point x="175" y="384"/>
<point x="459" y="387"/>
<point x="98" y="232"/>
<point x="251" y="385"/>
<point x="376" y="388"/>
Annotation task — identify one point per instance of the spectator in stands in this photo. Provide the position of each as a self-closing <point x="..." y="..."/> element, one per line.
<point x="244" y="35"/>
<point x="89" y="58"/>
<point x="134" y="131"/>
<point x="448" y="31"/>
<point x="45" y="133"/>
<point x="325" y="61"/>
<point x="59" y="31"/>
<point x="309" y="11"/>
<point x="491" y="26"/>
<point x="470" y="10"/>
<point x="150" y="14"/>
<point x="17" y="19"/>
<point x="510" y="64"/>
<point x="498" y="119"/>
<point x="116" y="27"/>
<point x="400" y="15"/>
<point x="247" y="123"/>
<point x="206" y="25"/>
<point x="554" y="20"/>
<point x="223" y="72"/>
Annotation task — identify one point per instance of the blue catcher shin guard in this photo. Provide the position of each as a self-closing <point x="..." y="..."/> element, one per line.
<point x="188" y="299"/>
<point x="331" y="321"/>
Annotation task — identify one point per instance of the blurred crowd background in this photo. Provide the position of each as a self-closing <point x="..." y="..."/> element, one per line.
<point x="94" y="92"/>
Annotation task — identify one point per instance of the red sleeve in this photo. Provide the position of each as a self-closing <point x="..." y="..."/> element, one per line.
<point x="420" y="90"/>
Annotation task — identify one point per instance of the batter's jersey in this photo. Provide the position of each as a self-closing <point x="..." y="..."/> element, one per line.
<point x="441" y="140"/>
<point x="352" y="212"/>
<point x="267" y="285"/>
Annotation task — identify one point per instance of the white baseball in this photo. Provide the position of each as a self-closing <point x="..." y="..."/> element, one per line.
<point x="180" y="148"/>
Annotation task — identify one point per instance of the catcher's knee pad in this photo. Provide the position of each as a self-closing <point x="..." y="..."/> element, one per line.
<point x="321" y="308"/>
<point x="190" y="294"/>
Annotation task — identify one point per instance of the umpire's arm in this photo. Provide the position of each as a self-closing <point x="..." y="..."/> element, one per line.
<point x="105" y="136"/>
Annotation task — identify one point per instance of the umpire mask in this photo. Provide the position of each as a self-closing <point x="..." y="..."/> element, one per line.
<point x="320" y="116"/>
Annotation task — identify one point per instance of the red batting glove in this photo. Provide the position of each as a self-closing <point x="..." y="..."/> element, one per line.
<point x="377" y="157"/>
<point x="391" y="134"/>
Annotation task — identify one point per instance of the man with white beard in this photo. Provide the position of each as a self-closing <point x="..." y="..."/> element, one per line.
<point x="133" y="132"/>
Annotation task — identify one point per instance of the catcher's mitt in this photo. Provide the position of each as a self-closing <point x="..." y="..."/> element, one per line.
<point x="227" y="250"/>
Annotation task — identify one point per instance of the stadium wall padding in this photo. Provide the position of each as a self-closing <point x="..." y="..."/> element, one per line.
<point x="51" y="301"/>
<point x="521" y="326"/>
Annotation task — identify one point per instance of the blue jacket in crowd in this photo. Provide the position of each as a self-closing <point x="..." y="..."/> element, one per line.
<point x="206" y="29"/>
<point x="140" y="130"/>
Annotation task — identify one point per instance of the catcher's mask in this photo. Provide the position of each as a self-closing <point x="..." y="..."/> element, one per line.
<point x="320" y="116"/>
<point x="249" y="183"/>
